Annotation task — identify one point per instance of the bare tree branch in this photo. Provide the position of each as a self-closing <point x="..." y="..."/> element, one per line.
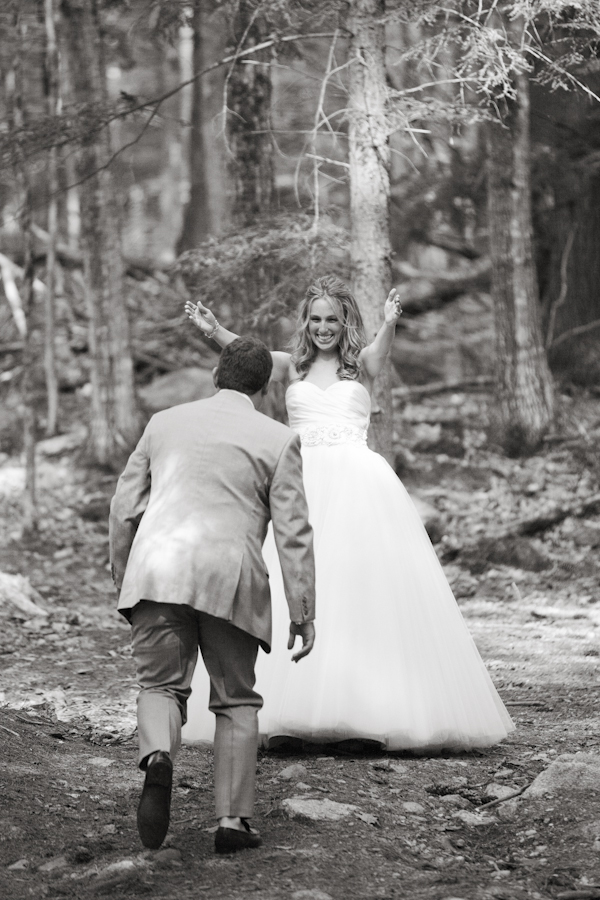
<point x="573" y="332"/>
<point x="564" y="287"/>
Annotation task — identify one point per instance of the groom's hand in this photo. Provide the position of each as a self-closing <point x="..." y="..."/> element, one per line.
<point x="307" y="633"/>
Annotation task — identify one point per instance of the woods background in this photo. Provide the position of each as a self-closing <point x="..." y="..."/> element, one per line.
<point x="232" y="151"/>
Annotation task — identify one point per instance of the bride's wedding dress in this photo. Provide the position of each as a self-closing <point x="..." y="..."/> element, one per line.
<point x="393" y="660"/>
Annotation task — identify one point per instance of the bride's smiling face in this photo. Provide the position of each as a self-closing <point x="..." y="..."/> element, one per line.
<point x="324" y="327"/>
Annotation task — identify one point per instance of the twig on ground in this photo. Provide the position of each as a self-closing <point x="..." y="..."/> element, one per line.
<point x="10" y="731"/>
<point x="500" y="800"/>
<point x="590" y="892"/>
<point x="525" y="703"/>
<point x="33" y="721"/>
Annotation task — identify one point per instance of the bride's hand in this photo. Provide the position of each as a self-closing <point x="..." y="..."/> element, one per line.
<point x="201" y="316"/>
<point x="392" y="309"/>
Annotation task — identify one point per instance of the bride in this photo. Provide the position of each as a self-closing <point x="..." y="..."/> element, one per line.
<point x="393" y="661"/>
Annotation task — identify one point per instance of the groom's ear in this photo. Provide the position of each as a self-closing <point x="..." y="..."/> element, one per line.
<point x="215" y="376"/>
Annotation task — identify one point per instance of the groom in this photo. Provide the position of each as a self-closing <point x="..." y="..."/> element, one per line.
<point x="187" y="524"/>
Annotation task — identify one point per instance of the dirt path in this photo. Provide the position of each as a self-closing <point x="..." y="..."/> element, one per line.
<point x="70" y="786"/>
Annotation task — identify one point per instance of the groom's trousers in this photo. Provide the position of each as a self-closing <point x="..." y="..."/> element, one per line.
<point x="165" y="638"/>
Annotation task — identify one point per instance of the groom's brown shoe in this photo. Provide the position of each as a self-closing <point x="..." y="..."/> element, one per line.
<point x="155" y="803"/>
<point x="229" y="840"/>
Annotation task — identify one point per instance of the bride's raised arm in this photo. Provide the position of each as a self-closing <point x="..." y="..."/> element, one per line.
<point x="374" y="355"/>
<point x="208" y="325"/>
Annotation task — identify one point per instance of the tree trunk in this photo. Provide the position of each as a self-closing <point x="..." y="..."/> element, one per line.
<point x="114" y="425"/>
<point x="567" y="227"/>
<point x="370" y="193"/>
<point x="250" y="163"/>
<point x="572" y="273"/>
<point x="29" y="415"/>
<point x="196" y="220"/>
<point x="15" y="91"/>
<point x="53" y="101"/>
<point x="524" y="393"/>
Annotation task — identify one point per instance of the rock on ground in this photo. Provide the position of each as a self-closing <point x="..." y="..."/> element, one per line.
<point x="476" y="819"/>
<point x="62" y="443"/>
<point x="295" y="772"/>
<point x="570" y="773"/>
<point x="311" y="895"/>
<point x="182" y="386"/>
<point x="318" y="810"/>
<point x="16" y="591"/>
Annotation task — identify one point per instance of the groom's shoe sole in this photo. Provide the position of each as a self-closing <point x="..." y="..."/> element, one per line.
<point x="230" y="840"/>
<point x="154" y="809"/>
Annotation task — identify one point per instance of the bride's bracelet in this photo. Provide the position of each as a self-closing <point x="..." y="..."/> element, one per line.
<point x="210" y="334"/>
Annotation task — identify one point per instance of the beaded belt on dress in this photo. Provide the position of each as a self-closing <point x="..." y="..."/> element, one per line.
<point x="332" y="434"/>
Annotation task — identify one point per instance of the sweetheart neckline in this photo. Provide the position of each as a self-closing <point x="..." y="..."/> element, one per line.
<point x="335" y="383"/>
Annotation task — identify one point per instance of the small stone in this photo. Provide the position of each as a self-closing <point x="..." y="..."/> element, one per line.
<point x="368" y="819"/>
<point x="500" y="791"/>
<point x="386" y="765"/>
<point x="295" y="772"/>
<point x="311" y="895"/>
<point x="59" y="862"/>
<point x="507" y="773"/>
<point x="109" y="829"/>
<point x="19" y="865"/>
<point x="81" y="854"/>
<point x="302" y="786"/>
<point x="117" y="868"/>
<point x="473" y="818"/>
<point x="317" y="810"/>
<point x="508" y="810"/>
<point x="101" y="761"/>
<point x="167" y="857"/>
<point x="410" y="806"/>
<point x="455" y="800"/>
<point x="383" y="765"/>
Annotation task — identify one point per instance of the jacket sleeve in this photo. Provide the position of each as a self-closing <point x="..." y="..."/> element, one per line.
<point x="293" y="533"/>
<point x="128" y="506"/>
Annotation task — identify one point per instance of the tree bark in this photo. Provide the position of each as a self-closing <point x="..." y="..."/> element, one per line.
<point x="15" y="92"/>
<point x="567" y="226"/>
<point x="28" y="410"/>
<point x="114" y="424"/>
<point x="196" y="225"/>
<point x="369" y="158"/>
<point x="53" y="101"/>
<point x="573" y="277"/>
<point x="250" y="164"/>
<point x="524" y="394"/>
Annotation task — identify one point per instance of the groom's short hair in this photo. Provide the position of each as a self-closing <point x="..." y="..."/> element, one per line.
<point x="245" y="365"/>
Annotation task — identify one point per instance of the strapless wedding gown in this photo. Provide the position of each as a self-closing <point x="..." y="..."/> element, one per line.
<point x="393" y="661"/>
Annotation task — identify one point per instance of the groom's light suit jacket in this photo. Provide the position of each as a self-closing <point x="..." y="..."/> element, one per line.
<point x="191" y="511"/>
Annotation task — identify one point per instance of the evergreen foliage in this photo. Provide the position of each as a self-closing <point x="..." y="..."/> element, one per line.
<point x="256" y="276"/>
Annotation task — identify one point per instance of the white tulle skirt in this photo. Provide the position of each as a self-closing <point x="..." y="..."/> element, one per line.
<point x="393" y="660"/>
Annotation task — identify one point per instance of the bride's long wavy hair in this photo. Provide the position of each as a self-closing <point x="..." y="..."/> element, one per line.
<point x="352" y="338"/>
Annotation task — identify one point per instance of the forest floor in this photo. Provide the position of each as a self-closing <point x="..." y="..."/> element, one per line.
<point x="415" y="827"/>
